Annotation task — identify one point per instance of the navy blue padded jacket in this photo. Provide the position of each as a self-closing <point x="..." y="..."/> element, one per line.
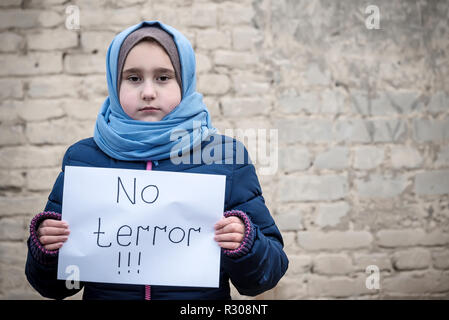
<point x="252" y="273"/>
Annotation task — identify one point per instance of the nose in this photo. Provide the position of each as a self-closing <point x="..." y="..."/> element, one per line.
<point x="148" y="91"/>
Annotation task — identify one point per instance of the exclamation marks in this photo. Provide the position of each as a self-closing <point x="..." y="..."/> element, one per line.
<point x="139" y="256"/>
<point x="138" y="262"/>
<point x="119" y="256"/>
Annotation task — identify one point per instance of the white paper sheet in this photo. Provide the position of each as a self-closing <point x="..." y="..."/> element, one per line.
<point x="141" y="227"/>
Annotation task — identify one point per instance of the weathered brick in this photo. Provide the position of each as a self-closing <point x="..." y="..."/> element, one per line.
<point x="11" y="42"/>
<point x="254" y="84"/>
<point x="316" y="75"/>
<point x="25" y="156"/>
<point x="96" y="41"/>
<point x="11" y="88"/>
<point x="84" y="63"/>
<point x="334" y="240"/>
<point x="92" y="87"/>
<point x="213" y="84"/>
<point x="443" y="156"/>
<point x="49" y="19"/>
<point x="17" y="18"/>
<point x="233" y="14"/>
<point x="92" y="17"/>
<point x="412" y="259"/>
<point x="13" y="228"/>
<point x="332" y="158"/>
<point x="324" y="102"/>
<point x="388" y="130"/>
<point x="12" y="135"/>
<point x="25" y="205"/>
<point x="368" y="157"/>
<point x="59" y="131"/>
<point x="337" y="287"/>
<point x="245" y="38"/>
<point x="211" y="39"/>
<point x="400" y="238"/>
<point x="357" y="130"/>
<point x="39" y="109"/>
<point x="204" y="15"/>
<point x="313" y="188"/>
<point x="405" y="157"/>
<point x="41" y="179"/>
<point x="203" y="63"/>
<point x="436" y="237"/>
<point x="85" y="109"/>
<point x="12" y="178"/>
<point x="387" y="103"/>
<point x="381" y="260"/>
<point x="287" y="289"/>
<point x="422" y="282"/>
<point x="441" y="259"/>
<point x="245" y="107"/>
<point x="330" y="214"/>
<point x="381" y="186"/>
<point x="56" y="86"/>
<point x="57" y="39"/>
<point x="234" y="59"/>
<point x="31" y="64"/>
<point x="352" y="130"/>
<point x="425" y="130"/>
<point x="12" y="281"/>
<point x="304" y="130"/>
<point x="11" y="3"/>
<point x="9" y="253"/>
<point x="332" y="264"/>
<point x="299" y="264"/>
<point x="432" y="182"/>
<point x="294" y="158"/>
<point x="439" y="102"/>
<point x="289" y="221"/>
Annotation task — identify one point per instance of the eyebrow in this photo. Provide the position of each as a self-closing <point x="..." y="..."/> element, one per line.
<point x="158" y="70"/>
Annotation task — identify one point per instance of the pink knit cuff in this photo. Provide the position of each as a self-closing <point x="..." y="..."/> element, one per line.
<point x="248" y="240"/>
<point x="37" y="250"/>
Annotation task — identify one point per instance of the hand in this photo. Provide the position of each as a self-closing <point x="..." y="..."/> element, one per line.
<point x="53" y="233"/>
<point x="229" y="232"/>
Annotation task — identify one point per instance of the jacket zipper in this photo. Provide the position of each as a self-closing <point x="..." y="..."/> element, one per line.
<point x="148" y="287"/>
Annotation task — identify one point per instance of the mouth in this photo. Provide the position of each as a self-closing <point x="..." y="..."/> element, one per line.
<point x="149" y="109"/>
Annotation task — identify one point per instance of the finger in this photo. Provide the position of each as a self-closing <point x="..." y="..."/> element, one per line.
<point x="52" y="239"/>
<point x="220" y="224"/>
<point x="232" y="224"/>
<point x="54" y="246"/>
<point x="225" y="221"/>
<point x="229" y="237"/>
<point x="229" y="245"/>
<point x="53" y="231"/>
<point x="232" y="228"/>
<point x="54" y="223"/>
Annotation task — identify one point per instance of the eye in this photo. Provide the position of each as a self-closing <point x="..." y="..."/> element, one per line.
<point x="163" y="78"/>
<point x="133" y="78"/>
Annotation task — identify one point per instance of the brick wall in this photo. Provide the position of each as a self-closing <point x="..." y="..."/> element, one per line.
<point x="362" y="117"/>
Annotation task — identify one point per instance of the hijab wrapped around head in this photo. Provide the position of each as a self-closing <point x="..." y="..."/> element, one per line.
<point x="179" y="132"/>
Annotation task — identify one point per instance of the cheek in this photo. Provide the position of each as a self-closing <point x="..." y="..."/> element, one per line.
<point x="127" y="99"/>
<point x="174" y="98"/>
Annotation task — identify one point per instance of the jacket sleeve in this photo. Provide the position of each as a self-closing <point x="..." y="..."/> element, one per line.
<point x="42" y="265"/>
<point x="261" y="268"/>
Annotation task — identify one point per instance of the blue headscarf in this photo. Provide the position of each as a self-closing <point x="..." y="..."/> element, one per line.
<point x="179" y="132"/>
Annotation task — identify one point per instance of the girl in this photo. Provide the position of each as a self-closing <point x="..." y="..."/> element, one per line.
<point x="152" y="97"/>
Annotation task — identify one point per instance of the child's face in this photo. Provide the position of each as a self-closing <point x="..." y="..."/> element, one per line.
<point x="149" y="89"/>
